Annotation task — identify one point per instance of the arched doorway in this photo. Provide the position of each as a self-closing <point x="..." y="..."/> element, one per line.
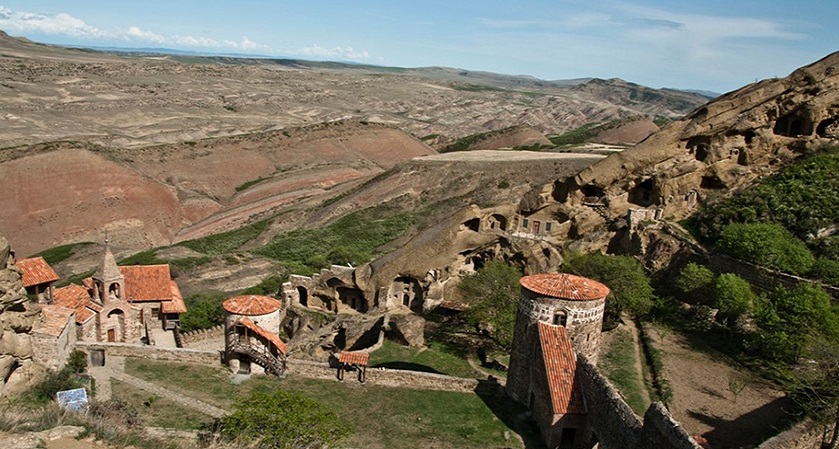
<point x="115" y="325"/>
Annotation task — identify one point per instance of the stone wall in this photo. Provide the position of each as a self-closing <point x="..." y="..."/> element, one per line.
<point x="612" y="422"/>
<point x="387" y="377"/>
<point x="616" y="426"/>
<point x="760" y="277"/>
<point x="662" y="431"/>
<point x="213" y="333"/>
<point x="804" y="435"/>
<point x="153" y="352"/>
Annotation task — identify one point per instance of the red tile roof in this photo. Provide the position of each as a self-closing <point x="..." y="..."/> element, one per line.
<point x="36" y="271"/>
<point x="147" y="282"/>
<point x="353" y="358"/>
<point x="55" y="319"/>
<point x="561" y="368"/>
<point x="251" y="305"/>
<point x="565" y="286"/>
<point x="77" y="298"/>
<point x="176" y="305"/>
<point x="266" y="334"/>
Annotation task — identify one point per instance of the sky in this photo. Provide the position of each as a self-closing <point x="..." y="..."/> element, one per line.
<point x="716" y="45"/>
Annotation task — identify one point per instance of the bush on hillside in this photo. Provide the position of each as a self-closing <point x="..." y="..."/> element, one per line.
<point x="826" y="270"/>
<point x="694" y="281"/>
<point x="766" y="244"/>
<point x="733" y="295"/>
<point x="282" y="420"/>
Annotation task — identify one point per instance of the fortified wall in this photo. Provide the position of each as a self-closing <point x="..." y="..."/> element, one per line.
<point x="615" y="426"/>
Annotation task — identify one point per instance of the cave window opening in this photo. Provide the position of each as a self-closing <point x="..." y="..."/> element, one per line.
<point x="750" y="137"/>
<point x="303" y="296"/>
<point x="473" y="225"/>
<point x="792" y="126"/>
<point x="592" y="194"/>
<point x="821" y="129"/>
<point x="642" y="194"/>
<point x="712" y="183"/>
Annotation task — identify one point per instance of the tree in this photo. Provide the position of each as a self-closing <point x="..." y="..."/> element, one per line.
<point x="792" y="316"/>
<point x="77" y="362"/>
<point x="493" y="293"/>
<point x="283" y="420"/>
<point x="630" y="287"/>
<point x="694" y="281"/>
<point x="766" y="244"/>
<point x="733" y="295"/>
<point x="817" y="392"/>
<point x="203" y="311"/>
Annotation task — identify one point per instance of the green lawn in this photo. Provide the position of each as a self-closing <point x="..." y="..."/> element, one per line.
<point x="157" y="411"/>
<point x="617" y="363"/>
<point x="437" y="358"/>
<point x="383" y="417"/>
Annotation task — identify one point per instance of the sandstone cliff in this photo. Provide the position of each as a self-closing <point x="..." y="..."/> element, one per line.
<point x="17" y="317"/>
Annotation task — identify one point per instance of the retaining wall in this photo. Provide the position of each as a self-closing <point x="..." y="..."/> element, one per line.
<point x="212" y="358"/>
<point x="611" y="420"/>
<point x="215" y="333"/>
<point x="387" y="377"/>
<point x="804" y="435"/>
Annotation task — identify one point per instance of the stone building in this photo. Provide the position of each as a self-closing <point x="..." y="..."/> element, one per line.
<point x="38" y="278"/>
<point x="251" y="328"/>
<point x="53" y="336"/>
<point x="120" y="304"/>
<point x="558" y="315"/>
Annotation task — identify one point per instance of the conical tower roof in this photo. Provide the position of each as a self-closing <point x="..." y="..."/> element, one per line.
<point x="108" y="270"/>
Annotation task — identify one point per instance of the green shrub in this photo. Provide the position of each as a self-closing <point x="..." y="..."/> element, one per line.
<point x="53" y="382"/>
<point x="695" y="281"/>
<point x="827" y="270"/>
<point x="269" y="286"/>
<point x="61" y="253"/>
<point x="733" y="295"/>
<point x="280" y="419"/>
<point x="766" y="244"/>
<point x="227" y="241"/>
<point x="77" y="362"/>
<point x="203" y="311"/>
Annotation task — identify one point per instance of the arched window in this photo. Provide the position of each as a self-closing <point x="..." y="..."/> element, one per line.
<point x="560" y="318"/>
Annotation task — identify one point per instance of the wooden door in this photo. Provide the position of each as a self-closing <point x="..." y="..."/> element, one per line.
<point x="112" y="335"/>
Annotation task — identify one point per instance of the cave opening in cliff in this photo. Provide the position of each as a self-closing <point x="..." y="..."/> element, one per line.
<point x="303" y="296"/>
<point x="406" y="291"/>
<point x="792" y="125"/>
<point x="643" y="194"/>
<point x="353" y="298"/>
<point x="498" y="222"/>
<point x="699" y="147"/>
<point x="712" y="183"/>
<point x="592" y="193"/>
<point x="473" y="225"/>
<point x="824" y="125"/>
<point x="749" y="136"/>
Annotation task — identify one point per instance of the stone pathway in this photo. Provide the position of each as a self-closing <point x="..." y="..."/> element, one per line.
<point x="115" y="369"/>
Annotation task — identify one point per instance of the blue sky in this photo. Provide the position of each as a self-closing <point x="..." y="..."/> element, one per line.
<point x="710" y="44"/>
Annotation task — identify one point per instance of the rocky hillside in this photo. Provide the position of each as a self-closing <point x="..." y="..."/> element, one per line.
<point x="154" y="196"/>
<point x="52" y="93"/>
<point x="17" y="317"/>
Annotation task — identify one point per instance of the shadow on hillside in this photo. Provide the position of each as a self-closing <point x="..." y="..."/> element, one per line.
<point x="511" y="413"/>
<point x="747" y="430"/>
<point x="407" y="366"/>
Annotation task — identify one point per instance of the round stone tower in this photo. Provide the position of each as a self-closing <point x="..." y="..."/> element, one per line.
<point x="559" y="299"/>
<point x="243" y="315"/>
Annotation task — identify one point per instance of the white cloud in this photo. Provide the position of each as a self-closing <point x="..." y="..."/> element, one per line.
<point x="334" y="52"/>
<point x="63" y="24"/>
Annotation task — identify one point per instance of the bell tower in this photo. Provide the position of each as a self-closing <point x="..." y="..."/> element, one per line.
<point x="108" y="281"/>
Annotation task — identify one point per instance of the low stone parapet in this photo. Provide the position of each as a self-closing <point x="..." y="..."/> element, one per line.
<point x="212" y="358"/>
<point x="385" y="377"/>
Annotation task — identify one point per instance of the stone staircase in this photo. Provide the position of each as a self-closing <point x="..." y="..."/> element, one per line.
<point x="271" y="363"/>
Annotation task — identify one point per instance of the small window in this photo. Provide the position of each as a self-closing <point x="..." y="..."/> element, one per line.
<point x="560" y="319"/>
<point x="524" y="223"/>
<point x="548" y="226"/>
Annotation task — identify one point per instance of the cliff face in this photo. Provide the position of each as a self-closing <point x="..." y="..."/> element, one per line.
<point x="17" y="317"/>
<point x="717" y="149"/>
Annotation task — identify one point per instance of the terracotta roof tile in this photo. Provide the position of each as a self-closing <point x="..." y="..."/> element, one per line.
<point x="77" y="298"/>
<point x="55" y="319"/>
<point x="354" y="358"/>
<point x="565" y="286"/>
<point x="266" y="334"/>
<point x="561" y="368"/>
<point x="147" y="282"/>
<point x="251" y="305"/>
<point x="176" y="305"/>
<point x="36" y="271"/>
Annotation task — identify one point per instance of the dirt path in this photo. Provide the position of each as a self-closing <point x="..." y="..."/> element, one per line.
<point x="639" y="358"/>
